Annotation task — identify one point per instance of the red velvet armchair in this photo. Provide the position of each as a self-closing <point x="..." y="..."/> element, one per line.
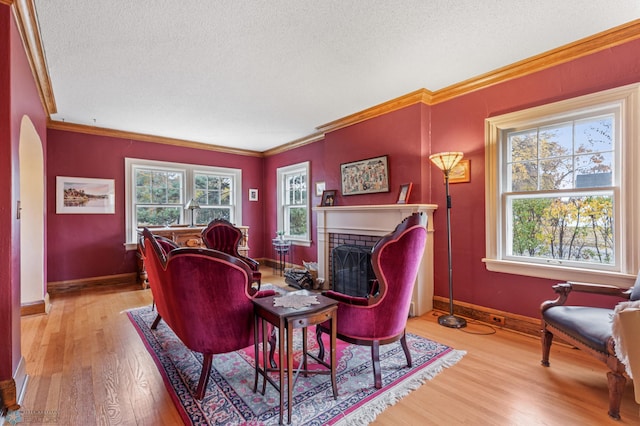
<point x="381" y="317"/>
<point x="204" y="296"/>
<point x="221" y="235"/>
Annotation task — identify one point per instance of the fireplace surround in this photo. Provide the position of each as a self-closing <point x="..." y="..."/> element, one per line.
<point x="377" y="221"/>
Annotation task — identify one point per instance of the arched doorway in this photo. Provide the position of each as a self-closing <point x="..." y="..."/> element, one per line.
<point x="32" y="219"/>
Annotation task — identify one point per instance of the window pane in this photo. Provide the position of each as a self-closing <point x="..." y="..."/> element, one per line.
<point x="212" y="190"/>
<point x="297" y="221"/>
<point x="556" y="141"/>
<point x="206" y="215"/>
<point x="556" y="173"/>
<point x="573" y="228"/>
<point x="524" y="176"/>
<point x="594" y="134"/>
<point x="147" y="216"/>
<point x="523" y="146"/>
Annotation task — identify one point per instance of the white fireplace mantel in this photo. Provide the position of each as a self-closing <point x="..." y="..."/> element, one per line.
<point x="378" y="220"/>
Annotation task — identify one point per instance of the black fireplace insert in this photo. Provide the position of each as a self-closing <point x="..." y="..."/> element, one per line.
<point x="351" y="270"/>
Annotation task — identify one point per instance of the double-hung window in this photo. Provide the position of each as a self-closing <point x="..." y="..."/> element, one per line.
<point x="157" y="193"/>
<point x="293" y="203"/>
<point x="562" y="189"/>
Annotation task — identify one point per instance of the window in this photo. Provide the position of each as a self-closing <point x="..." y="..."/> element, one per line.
<point x="157" y="193"/>
<point x="293" y="202"/>
<point x="562" y="188"/>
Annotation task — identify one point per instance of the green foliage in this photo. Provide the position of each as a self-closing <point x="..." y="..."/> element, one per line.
<point x="566" y="159"/>
<point x="298" y="221"/>
<point x="158" y="215"/>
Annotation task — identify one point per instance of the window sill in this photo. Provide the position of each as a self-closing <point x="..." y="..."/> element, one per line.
<point x="560" y="273"/>
<point x="304" y="243"/>
<point x="130" y="246"/>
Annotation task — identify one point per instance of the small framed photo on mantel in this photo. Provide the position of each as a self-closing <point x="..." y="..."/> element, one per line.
<point x="328" y="198"/>
<point x="404" y="193"/>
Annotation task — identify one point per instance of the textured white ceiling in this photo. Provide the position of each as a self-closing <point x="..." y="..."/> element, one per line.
<point x="259" y="74"/>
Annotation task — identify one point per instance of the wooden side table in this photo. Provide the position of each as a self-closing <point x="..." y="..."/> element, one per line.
<point x="288" y="319"/>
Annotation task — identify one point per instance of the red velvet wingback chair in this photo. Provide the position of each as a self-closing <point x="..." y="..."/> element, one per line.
<point x="204" y="296"/>
<point x="221" y="235"/>
<point x="381" y="317"/>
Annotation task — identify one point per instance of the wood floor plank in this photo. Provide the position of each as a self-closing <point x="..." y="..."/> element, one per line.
<point x="88" y="365"/>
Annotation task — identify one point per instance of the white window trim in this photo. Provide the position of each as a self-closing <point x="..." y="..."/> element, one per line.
<point x="281" y="172"/>
<point x="628" y="97"/>
<point x="189" y="169"/>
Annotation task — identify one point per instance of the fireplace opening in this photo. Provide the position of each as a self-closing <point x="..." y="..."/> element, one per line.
<point x="351" y="269"/>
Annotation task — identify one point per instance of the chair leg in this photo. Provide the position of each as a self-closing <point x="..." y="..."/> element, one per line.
<point x="405" y="348"/>
<point x="320" y="343"/>
<point x="204" y="376"/>
<point x="617" y="382"/>
<point x="156" y="322"/>
<point x="375" y="358"/>
<point x="546" y="340"/>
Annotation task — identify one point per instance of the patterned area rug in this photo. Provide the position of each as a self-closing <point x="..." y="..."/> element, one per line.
<point x="230" y="400"/>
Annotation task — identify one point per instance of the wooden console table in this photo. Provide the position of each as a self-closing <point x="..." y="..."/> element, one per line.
<point x="188" y="236"/>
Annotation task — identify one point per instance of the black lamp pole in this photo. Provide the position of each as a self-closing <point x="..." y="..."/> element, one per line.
<point x="450" y="320"/>
<point x="446" y="161"/>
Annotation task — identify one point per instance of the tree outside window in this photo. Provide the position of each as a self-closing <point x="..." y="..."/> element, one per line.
<point x="560" y="191"/>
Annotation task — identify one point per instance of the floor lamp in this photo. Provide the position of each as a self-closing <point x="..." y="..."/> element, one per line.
<point x="446" y="161"/>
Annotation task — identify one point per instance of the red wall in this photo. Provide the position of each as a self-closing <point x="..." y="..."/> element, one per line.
<point x="459" y="125"/>
<point x="400" y="135"/>
<point x="314" y="153"/>
<point x="407" y="136"/>
<point x="9" y="327"/>
<point x="18" y="97"/>
<point x="89" y="245"/>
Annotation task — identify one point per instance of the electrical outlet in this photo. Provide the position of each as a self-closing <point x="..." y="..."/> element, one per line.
<point x="497" y="319"/>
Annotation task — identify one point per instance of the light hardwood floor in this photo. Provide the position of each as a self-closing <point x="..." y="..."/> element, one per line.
<point x="88" y="366"/>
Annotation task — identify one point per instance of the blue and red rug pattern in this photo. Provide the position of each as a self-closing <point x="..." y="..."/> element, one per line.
<point x="229" y="399"/>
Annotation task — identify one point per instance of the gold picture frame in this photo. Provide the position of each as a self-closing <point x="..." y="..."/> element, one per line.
<point x="461" y="173"/>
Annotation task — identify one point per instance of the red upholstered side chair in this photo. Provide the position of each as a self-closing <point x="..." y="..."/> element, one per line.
<point x="204" y="296"/>
<point x="166" y="244"/>
<point x="588" y="328"/>
<point x="381" y="317"/>
<point x="221" y="235"/>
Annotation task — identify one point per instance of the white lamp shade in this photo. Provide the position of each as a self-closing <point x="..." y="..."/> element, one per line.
<point x="446" y="160"/>
<point x="192" y="205"/>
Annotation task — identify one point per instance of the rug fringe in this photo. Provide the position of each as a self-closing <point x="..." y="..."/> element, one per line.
<point x="386" y="399"/>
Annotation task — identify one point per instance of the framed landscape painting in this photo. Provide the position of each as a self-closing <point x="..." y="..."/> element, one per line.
<point x="77" y="195"/>
<point x="365" y="176"/>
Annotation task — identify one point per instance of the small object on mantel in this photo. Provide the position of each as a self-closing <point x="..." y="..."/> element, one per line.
<point x="295" y="301"/>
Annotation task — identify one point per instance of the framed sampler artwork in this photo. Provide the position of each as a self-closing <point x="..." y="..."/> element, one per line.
<point x="365" y="176"/>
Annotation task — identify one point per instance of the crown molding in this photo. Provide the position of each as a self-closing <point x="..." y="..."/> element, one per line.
<point x="569" y="52"/>
<point x="25" y="14"/>
<point x="586" y="46"/>
<point x="421" y="95"/>
<point x="314" y="137"/>
<point x="24" y="11"/>
<point x="102" y="131"/>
